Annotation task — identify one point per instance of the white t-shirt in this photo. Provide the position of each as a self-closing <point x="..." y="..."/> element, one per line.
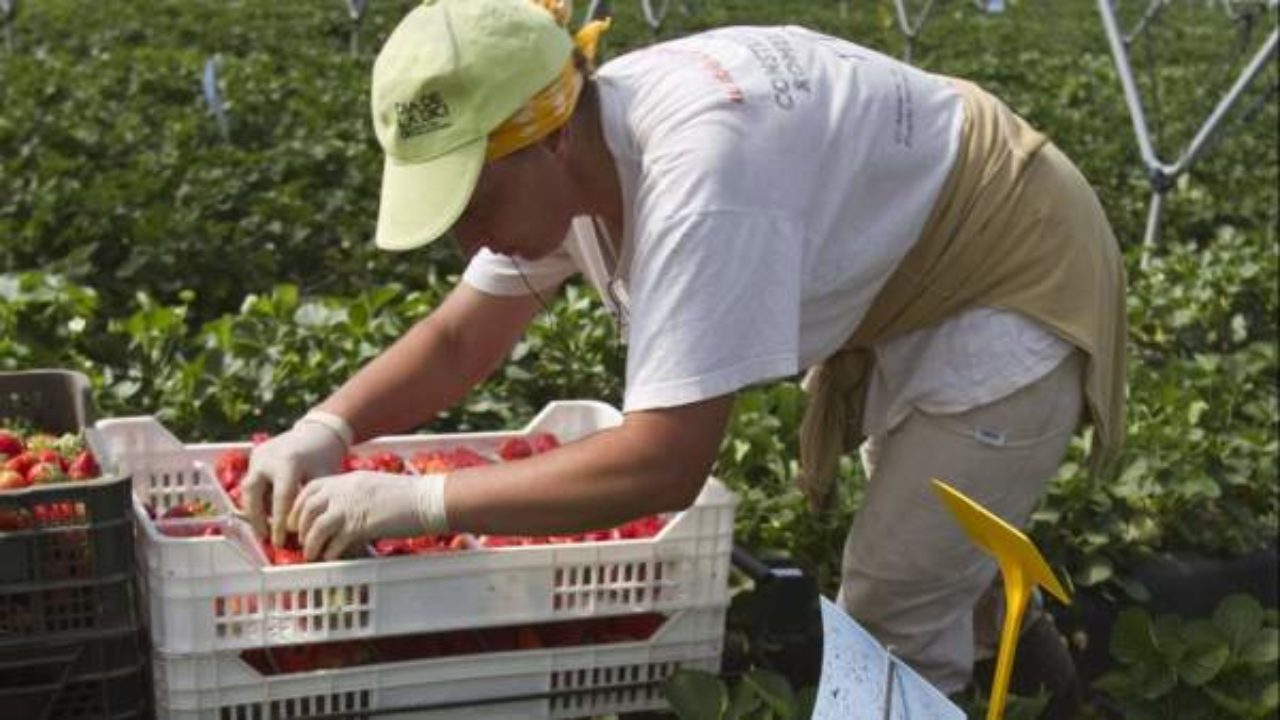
<point x="772" y="179"/>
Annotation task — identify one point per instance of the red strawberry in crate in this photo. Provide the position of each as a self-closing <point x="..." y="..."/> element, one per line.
<point x="542" y="442"/>
<point x="466" y="457"/>
<point x="46" y="473"/>
<point x="53" y="457"/>
<point x="527" y="639"/>
<point x="514" y="449"/>
<point x="11" y="443"/>
<point x="429" y="461"/>
<point x="292" y="659"/>
<point x="422" y="544"/>
<point x="12" y="480"/>
<point x="190" y="509"/>
<point x="290" y="554"/>
<point x="14" y="519"/>
<point x="21" y="463"/>
<point x="637" y="627"/>
<point x="640" y="528"/>
<point x="84" y="467"/>
<point x="360" y="462"/>
<point x="386" y="461"/>
<point x="388" y="547"/>
<point x="230" y="468"/>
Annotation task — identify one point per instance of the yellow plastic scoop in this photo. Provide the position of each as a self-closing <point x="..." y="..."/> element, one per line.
<point x="1022" y="568"/>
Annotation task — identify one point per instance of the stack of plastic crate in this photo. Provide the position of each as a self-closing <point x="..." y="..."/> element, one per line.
<point x="70" y="642"/>
<point x="227" y="627"/>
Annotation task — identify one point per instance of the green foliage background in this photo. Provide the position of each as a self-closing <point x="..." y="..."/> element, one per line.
<point x="228" y="286"/>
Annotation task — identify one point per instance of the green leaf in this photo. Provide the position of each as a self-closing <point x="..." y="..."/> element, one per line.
<point x="1155" y="678"/>
<point x="1263" y="648"/>
<point x="743" y="701"/>
<point x="696" y="695"/>
<point x="1203" y="660"/>
<point x="1132" y="639"/>
<point x="1239" y="617"/>
<point x="1097" y="571"/>
<point x="1233" y="705"/>
<point x="1134" y="589"/>
<point x="774" y="690"/>
<point x="1269" y="698"/>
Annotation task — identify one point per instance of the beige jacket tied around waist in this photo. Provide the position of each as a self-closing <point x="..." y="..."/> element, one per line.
<point x="1016" y="227"/>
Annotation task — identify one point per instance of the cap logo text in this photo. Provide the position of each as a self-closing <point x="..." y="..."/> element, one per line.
<point x="425" y="113"/>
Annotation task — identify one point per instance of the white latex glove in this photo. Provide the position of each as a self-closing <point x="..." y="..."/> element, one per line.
<point x="280" y="466"/>
<point x="334" y="514"/>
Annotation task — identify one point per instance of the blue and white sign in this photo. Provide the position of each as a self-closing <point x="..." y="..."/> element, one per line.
<point x="862" y="681"/>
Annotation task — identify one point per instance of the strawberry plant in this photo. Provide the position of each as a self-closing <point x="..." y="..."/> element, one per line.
<point x="1222" y="667"/>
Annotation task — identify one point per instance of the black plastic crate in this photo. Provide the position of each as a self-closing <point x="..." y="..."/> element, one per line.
<point x="66" y="550"/>
<point x="76" y="677"/>
<point x="56" y="401"/>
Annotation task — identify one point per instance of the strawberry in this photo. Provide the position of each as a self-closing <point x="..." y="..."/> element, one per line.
<point x="53" y="457"/>
<point x="21" y="463"/>
<point x="360" y="462"/>
<point x="514" y="449"/>
<point x="292" y="659"/>
<point x="388" y="547"/>
<point x="46" y="473"/>
<point x="645" y="527"/>
<point x="11" y="444"/>
<point x="259" y="437"/>
<point x="386" y="461"/>
<point x="14" y="519"/>
<point x="462" y="457"/>
<point x="12" y="480"/>
<point x="230" y="468"/>
<point x="637" y="627"/>
<point x="84" y="467"/>
<point x="527" y="639"/>
<point x="290" y="554"/>
<point x="428" y="462"/>
<point x="543" y="442"/>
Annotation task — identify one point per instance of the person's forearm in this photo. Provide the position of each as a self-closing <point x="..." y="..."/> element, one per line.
<point x="592" y="484"/>
<point x="423" y="373"/>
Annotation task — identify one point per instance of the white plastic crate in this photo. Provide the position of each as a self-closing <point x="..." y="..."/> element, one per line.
<point x="219" y="593"/>
<point x="574" y="682"/>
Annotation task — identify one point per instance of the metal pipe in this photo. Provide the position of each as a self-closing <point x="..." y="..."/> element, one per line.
<point x="1153" y="229"/>
<point x="1256" y="66"/>
<point x="1120" y="55"/>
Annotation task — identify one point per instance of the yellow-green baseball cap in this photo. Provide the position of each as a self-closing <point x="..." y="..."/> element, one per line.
<point x="451" y="72"/>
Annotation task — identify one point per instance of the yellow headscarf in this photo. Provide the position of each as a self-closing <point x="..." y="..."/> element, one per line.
<point x="553" y="105"/>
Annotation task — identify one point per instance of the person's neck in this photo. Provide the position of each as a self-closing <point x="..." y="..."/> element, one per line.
<point x="595" y="170"/>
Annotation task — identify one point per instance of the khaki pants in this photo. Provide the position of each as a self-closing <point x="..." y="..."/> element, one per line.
<point x="910" y="575"/>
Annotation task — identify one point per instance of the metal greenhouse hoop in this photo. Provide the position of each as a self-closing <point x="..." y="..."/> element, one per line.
<point x="1163" y="174"/>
